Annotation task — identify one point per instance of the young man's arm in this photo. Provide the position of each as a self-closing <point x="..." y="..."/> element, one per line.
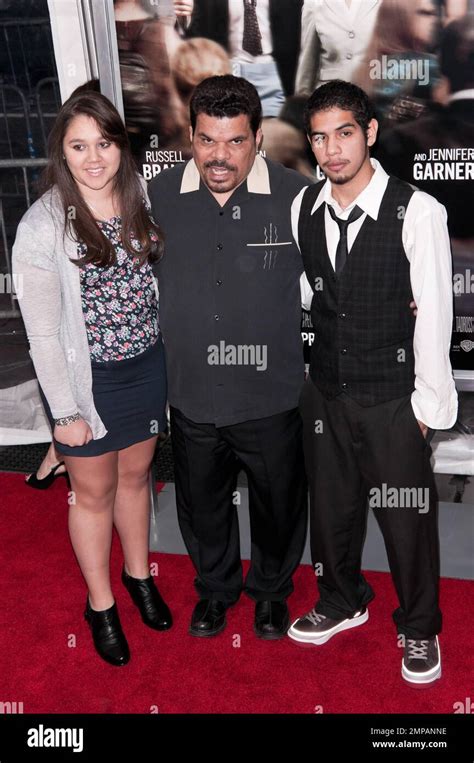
<point x="427" y="245"/>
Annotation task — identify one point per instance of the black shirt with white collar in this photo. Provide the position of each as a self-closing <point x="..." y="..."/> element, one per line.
<point x="229" y="294"/>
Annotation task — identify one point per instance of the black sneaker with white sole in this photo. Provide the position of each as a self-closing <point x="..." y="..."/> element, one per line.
<point x="421" y="662"/>
<point x="315" y="628"/>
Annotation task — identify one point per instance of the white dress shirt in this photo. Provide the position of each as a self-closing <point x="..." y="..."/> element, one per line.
<point x="426" y="243"/>
<point x="236" y="32"/>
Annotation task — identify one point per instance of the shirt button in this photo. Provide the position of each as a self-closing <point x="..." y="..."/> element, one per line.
<point x="349" y="56"/>
<point x="351" y="34"/>
<point x="344" y="351"/>
<point x="220" y="246"/>
<point x="219" y="282"/>
<point x="216" y="317"/>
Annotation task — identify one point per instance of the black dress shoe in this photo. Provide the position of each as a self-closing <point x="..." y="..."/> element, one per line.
<point x="154" y="611"/>
<point x="272" y="619"/>
<point x="45" y="482"/>
<point x="107" y="634"/>
<point x="208" y="618"/>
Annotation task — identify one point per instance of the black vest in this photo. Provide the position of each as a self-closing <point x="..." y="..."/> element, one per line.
<point x="362" y="320"/>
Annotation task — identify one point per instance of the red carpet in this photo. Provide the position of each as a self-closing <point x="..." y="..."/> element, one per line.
<point x="47" y="661"/>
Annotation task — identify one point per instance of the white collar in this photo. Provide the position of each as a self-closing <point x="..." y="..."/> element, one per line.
<point x="339" y="7"/>
<point x="462" y="95"/>
<point x="368" y="200"/>
<point x="258" y="180"/>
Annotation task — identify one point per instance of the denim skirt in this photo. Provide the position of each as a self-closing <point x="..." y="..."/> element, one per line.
<point x="130" y="398"/>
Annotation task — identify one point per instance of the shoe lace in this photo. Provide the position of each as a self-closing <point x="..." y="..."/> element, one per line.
<point x="418" y="649"/>
<point x="315" y="618"/>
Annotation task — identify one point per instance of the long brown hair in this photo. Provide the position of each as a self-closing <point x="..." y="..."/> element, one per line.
<point x="393" y="34"/>
<point x="136" y="222"/>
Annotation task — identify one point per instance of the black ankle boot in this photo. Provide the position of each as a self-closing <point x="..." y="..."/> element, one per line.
<point x="107" y="634"/>
<point x="145" y="595"/>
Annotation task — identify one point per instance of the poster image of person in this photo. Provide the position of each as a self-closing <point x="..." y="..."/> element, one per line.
<point x="192" y="61"/>
<point x="436" y="153"/>
<point x="335" y="37"/>
<point x="147" y="34"/>
<point x="401" y="68"/>
<point x="159" y="69"/>
<point x="262" y="38"/>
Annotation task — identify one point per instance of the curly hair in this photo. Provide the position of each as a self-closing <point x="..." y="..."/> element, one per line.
<point x="226" y="96"/>
<point x="341" y="95"/>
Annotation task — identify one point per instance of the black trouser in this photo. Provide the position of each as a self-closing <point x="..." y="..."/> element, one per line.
<point x="207" y="460"/>
<point x="354" y="456"/>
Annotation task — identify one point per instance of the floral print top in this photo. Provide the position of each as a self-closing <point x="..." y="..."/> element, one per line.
<point x="119" y="302"/>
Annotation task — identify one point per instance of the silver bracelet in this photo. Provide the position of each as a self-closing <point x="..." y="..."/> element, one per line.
<point x="67" y="420"/>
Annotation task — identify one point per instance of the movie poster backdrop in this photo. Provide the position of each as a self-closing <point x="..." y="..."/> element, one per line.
<point x="415" y="58"/>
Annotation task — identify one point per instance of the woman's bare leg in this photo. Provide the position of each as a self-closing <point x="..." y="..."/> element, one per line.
<point x="94" y="484"/>
<point x="132" y="505"/>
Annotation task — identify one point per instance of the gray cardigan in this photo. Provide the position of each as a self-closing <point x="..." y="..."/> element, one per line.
<point x="49" y="294"/>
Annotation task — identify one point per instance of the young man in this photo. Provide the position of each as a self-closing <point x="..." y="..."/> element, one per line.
<point x="379" y="380"/>
<point x="230" y="316"/>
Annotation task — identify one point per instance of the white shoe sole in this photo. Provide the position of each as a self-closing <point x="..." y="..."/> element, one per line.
<point x="344" y="625"/>
<point x="421" y="679"/>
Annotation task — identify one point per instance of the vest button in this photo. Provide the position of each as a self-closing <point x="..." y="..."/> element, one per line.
<point x="219" y="282"/>
<point x="219" y="246"/>
<point x="216" y="317"/>
<point x="342" y="315"/>
<point x="344" y="351"/>
<point x="344" y="385"/>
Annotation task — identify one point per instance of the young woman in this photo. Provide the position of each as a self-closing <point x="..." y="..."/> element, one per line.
<point x="83" y="254"/>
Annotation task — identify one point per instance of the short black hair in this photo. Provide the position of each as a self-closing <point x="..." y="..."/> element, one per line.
<point x="457" y="53"/>
<point x="342" y="95"/>
<point x="226" y="96"/>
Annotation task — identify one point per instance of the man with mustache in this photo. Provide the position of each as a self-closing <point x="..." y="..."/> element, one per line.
<point x="379" y="380"/>
<point x="230" y="316"/>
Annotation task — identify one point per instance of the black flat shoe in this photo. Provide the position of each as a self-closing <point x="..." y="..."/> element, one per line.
<point x="45" y="482"/>
<point x="107" y="634"/>
<point x="272" y="619"/>
<point x="208" y="618"/>
<point x="145" y="595"/>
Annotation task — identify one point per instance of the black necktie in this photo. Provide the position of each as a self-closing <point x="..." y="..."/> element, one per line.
<point x="342" y="250"/>
<point x="252" y="41"/>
